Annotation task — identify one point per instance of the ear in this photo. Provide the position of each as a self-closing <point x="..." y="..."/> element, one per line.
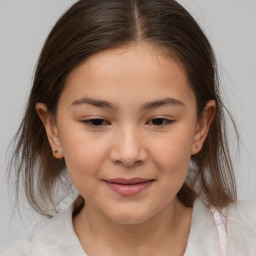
<point x="203" y="125"/>
<point x="51" y="129"/>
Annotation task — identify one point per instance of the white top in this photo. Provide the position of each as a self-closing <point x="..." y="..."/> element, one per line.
<point x="56" y="237"/>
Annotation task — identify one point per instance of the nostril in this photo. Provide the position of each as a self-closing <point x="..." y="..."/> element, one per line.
<point x="129" y="163"/>
<point x="127" y="149"/>
<point x="128" y="160"/>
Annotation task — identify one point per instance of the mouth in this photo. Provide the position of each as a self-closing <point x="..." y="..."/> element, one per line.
<point x="128" y="187"/>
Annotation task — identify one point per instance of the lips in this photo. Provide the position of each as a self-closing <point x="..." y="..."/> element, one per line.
<point x="128" y="187"/>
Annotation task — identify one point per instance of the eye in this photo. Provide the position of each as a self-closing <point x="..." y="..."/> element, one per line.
<point x="96" y="122"/>
<point x="160" y="121"/>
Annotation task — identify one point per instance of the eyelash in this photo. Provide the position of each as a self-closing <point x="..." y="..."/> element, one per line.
<point x="98" y="122"/>
<point x="163" y="121"/>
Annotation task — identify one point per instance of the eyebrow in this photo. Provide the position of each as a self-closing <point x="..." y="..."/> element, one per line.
<point x="147" y="106"/>
<point x="162" y="102"/>
<point x="94" y="102"/>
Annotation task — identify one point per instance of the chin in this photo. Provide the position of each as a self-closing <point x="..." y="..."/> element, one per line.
<point x="130" y="218"/>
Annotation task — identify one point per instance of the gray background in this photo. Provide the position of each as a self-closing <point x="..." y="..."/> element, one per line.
<point x="231" y="28"/>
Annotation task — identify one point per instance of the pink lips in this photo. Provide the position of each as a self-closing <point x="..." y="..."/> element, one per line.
<point x="128" y="187"/>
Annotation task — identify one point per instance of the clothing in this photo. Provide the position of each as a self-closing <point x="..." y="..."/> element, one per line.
<point x="57" y="237"/>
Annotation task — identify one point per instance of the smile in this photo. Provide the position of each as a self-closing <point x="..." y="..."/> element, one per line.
<point x="128" y="187"/>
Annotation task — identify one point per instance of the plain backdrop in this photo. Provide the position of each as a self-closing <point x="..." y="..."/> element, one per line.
<point x="231" y="28"/>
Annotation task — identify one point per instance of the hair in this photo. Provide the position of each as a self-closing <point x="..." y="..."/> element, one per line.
<point x="91" y="26"/>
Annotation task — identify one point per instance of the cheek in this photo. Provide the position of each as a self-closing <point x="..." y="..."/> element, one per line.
<point x="172" y="154"/>
<point x="172" y="161"/>
<point x="83" y="156"/>
<point x="84" y="165"/>
<point x="173" y="150"/>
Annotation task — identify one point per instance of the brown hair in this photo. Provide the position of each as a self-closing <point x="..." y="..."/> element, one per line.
<point x="90" y="26"/>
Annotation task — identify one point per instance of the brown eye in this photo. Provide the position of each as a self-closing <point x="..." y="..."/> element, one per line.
<point x="96" y="122"/>
<point x="160" y="121"/>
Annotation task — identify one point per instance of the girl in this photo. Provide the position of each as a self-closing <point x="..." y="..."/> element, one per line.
<point x="125" y="105"/>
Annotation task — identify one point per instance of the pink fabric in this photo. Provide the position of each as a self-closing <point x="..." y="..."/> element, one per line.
<point x="220" y="221"/>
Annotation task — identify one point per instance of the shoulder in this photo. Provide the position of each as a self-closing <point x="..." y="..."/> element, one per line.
<point x="241" y="228"/>
<point x="241" y="208"/>
<point x="55" y="237"/>
<point x="242" y="214"/>
<point x="18" y="248"/>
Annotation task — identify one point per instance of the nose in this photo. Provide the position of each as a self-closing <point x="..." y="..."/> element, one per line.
<point x="127" y="148"/>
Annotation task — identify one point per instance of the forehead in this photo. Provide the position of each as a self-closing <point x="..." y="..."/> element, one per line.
<point x="150" y="57"/>
<point x="140" y="71"/>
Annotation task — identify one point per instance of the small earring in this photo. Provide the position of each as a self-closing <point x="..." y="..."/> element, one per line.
<point x="55" y="150"/>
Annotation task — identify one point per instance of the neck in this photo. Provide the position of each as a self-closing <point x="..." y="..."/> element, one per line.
<point x="99" y="235"/>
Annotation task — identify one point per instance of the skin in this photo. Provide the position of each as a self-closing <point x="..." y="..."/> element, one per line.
<point x="133" y="138"/>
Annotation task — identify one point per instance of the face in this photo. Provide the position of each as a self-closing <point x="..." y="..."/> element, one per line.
<point x="127" y="126"/>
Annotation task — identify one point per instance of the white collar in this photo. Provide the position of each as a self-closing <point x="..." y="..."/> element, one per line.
<point x="57" y="236"/>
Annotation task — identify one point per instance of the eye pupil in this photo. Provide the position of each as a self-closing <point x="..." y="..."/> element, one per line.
<point x="158" y="121"/>
<point x="97" y="122"/>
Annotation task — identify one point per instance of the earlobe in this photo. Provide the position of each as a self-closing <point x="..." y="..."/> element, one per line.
<point x="50" y="128"/>
<point x="203" y="126"/>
